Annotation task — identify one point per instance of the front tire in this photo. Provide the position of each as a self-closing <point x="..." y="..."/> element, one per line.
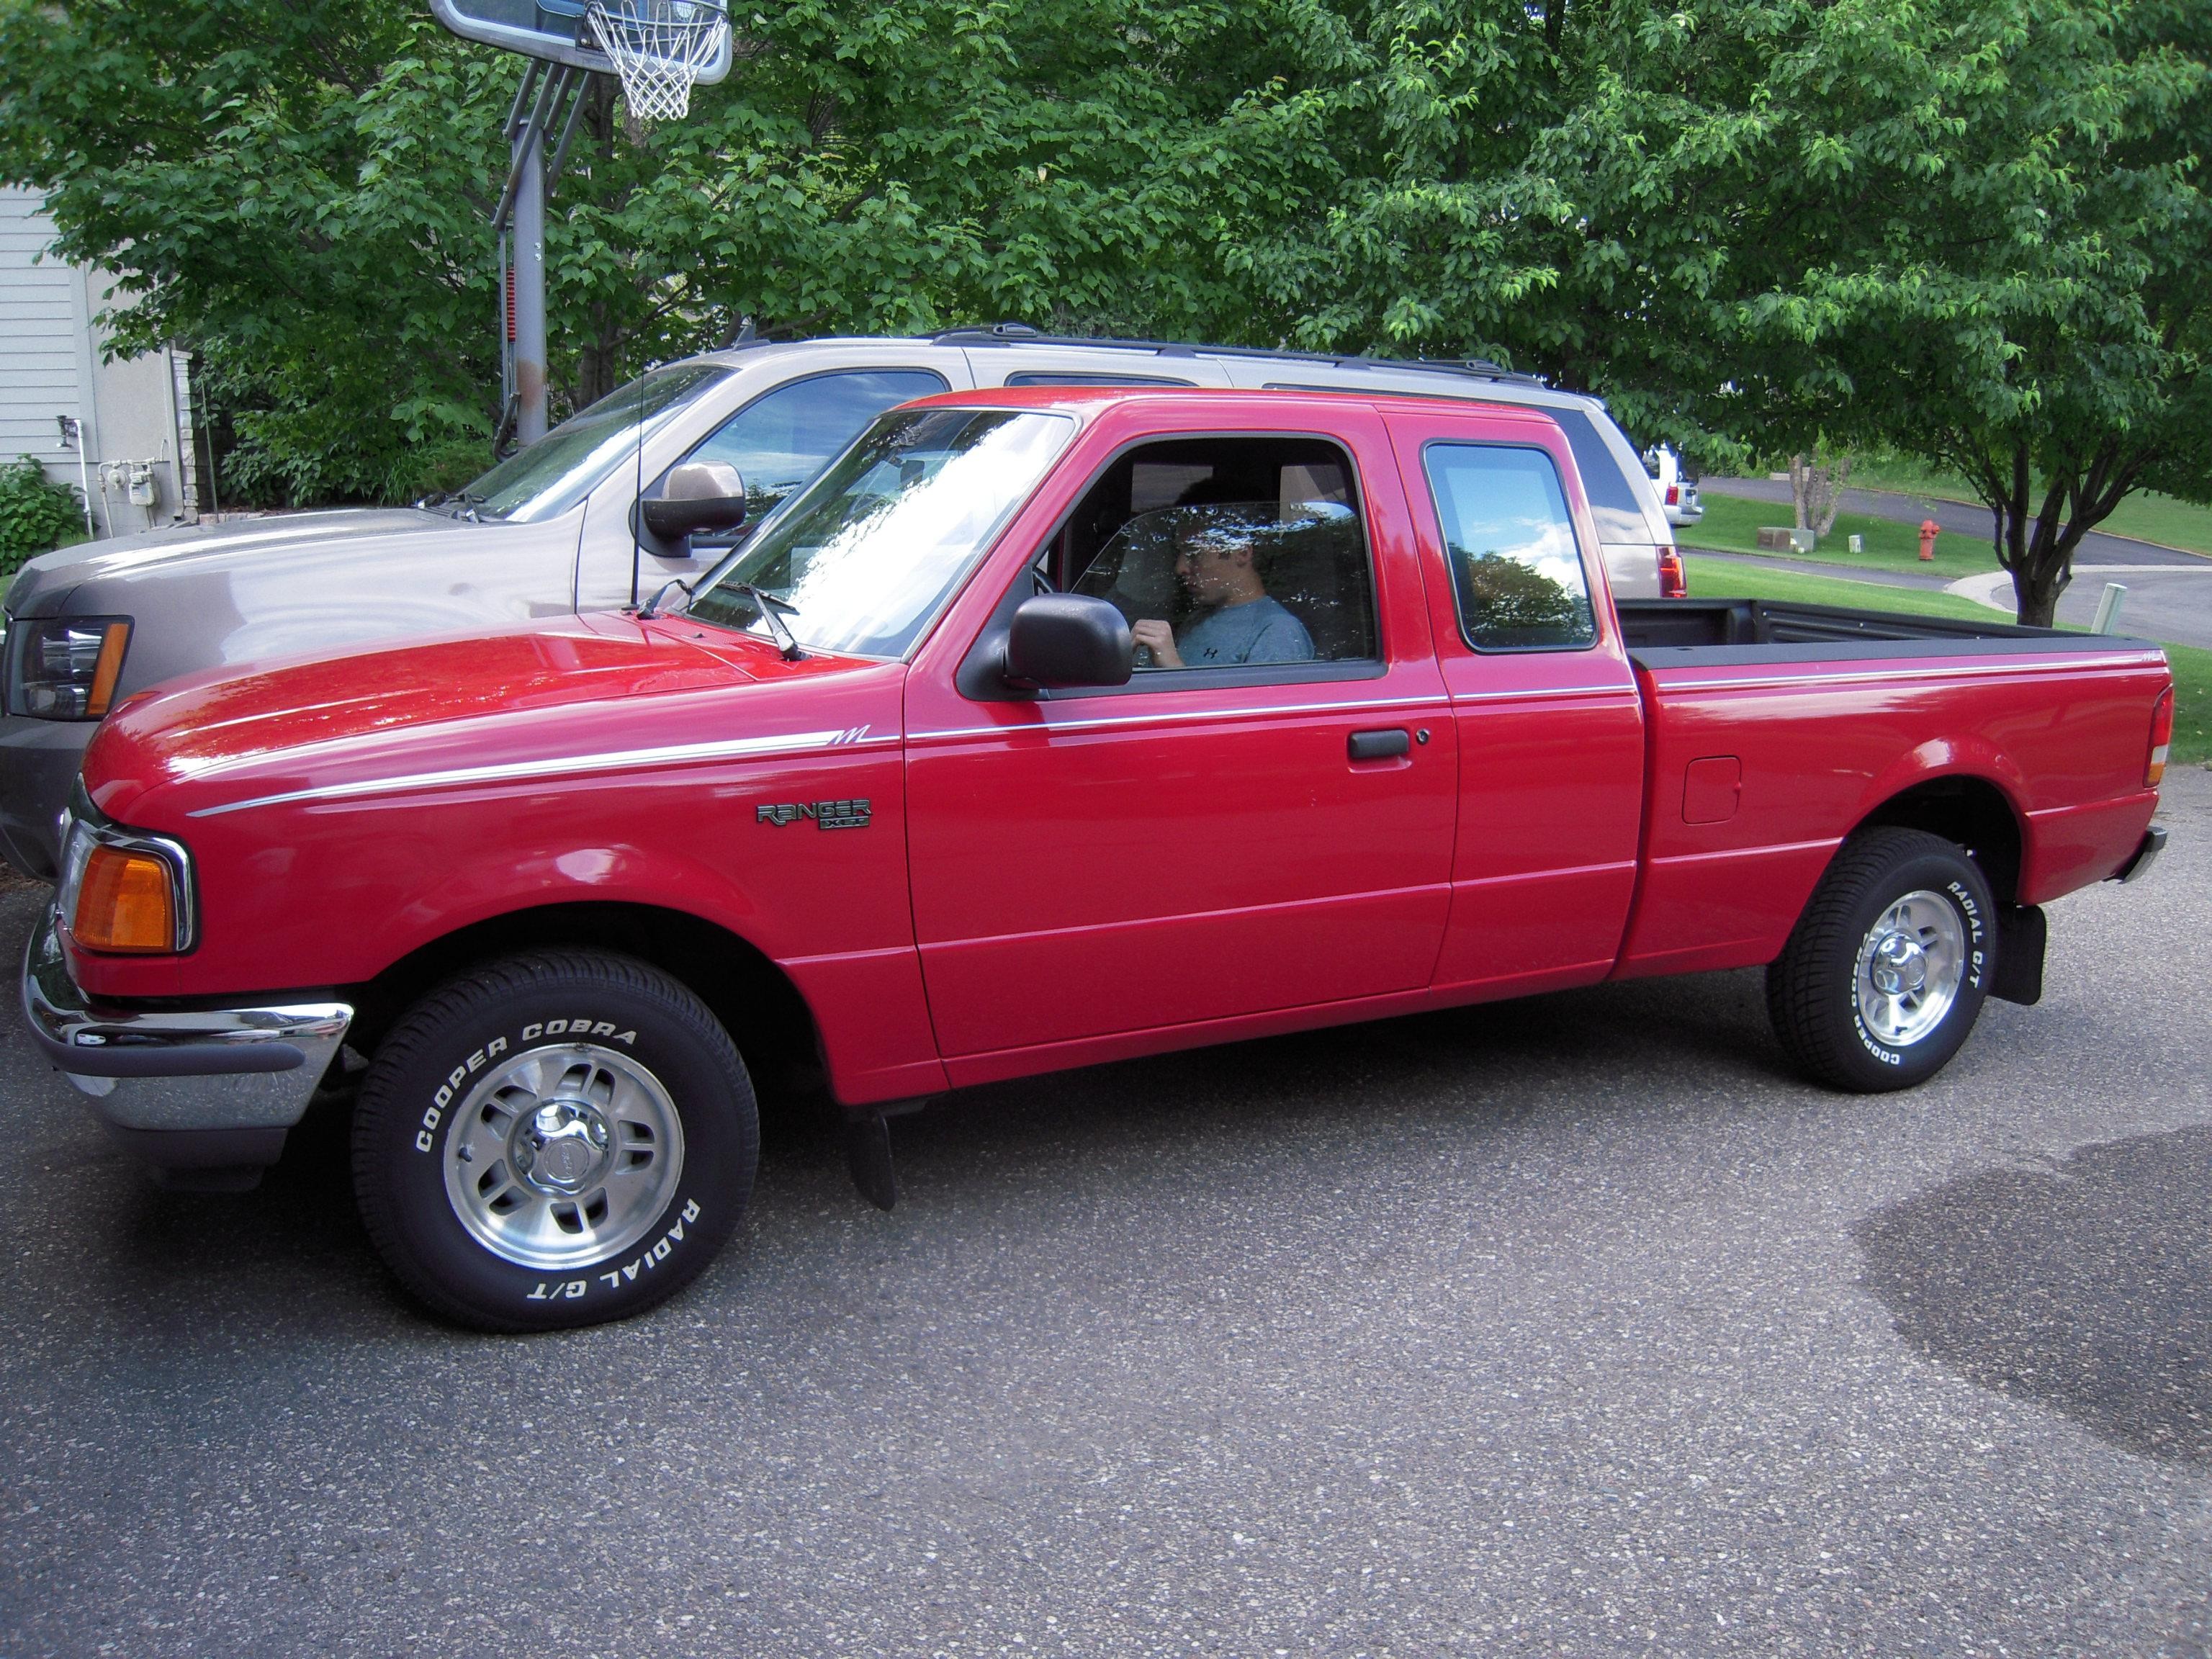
<point x="554" y="1140"/>
<point x="1885" y="972"/>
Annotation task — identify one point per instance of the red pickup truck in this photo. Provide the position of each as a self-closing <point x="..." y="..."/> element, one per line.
<point x="1042" y="728"/>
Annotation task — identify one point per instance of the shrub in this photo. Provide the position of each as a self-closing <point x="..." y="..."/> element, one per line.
<point x="35" y="513"/>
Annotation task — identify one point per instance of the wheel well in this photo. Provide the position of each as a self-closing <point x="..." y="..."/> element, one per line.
<point x="1971" y="812"/>
<point x="760" y="1007"/>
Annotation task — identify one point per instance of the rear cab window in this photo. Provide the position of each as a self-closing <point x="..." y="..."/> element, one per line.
<point x="1517" y="574"/>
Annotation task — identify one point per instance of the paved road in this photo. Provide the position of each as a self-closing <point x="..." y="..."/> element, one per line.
<point x="1574" y="1326"/>
<point x="1958" y="518"/>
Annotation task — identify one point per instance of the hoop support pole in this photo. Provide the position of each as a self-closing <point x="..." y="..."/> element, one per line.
<point x="529" y="84"/>
<point x="568" y="131"/>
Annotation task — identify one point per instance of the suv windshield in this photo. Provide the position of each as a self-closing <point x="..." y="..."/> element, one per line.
<point x="865" y="556"/>
<point x="561" y="468"/>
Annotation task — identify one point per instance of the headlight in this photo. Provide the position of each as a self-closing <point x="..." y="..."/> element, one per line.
<point x="122" y="891"/>
<point x="64" y="668"/>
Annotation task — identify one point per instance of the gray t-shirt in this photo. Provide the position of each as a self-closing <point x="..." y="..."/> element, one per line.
<point x="1258" y="631"/>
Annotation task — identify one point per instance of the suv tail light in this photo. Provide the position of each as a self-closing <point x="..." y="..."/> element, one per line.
<point x="1674" y="494"/>
<point x="2161" y="735"/>
<point x="1673" y="584"/>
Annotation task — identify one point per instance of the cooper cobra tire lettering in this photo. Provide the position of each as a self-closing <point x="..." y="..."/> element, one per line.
<point x="410" y="1125"/>
<point x="435" y="1113"/>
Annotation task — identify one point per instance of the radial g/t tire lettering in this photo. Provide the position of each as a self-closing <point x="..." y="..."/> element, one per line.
<point x="554" y="1140"/>
<point x="1887" y="970"/>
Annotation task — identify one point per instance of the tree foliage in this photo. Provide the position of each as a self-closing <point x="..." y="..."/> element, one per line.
<point x="298" y="191"/>
<point x="1972" y="230"/>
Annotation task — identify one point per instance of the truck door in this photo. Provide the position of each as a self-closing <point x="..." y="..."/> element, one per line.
<point x="1549" y="719"/>
<point x="1265" y="826"/>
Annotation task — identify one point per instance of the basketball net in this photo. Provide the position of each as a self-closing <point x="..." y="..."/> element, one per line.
<point x="658" y="47"/>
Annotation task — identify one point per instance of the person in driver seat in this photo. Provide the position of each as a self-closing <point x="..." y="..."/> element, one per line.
<point x="1242" y="624"/>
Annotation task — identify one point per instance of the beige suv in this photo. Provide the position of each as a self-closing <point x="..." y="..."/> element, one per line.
<point x="549" y="530"/>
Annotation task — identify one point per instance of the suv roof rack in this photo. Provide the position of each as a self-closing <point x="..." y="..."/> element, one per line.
<point x="1014" y="334"/>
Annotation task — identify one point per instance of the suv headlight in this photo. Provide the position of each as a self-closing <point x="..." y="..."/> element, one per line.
<point x="64" y="668"/>
<point x="120" y="890"/>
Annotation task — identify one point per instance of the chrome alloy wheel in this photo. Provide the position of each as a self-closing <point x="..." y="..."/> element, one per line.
<point x="567" y="1155"/>
<point x="1910" y="967"/>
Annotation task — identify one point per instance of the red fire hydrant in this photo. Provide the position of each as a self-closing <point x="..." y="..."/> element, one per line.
<point x="1928" y="529"/>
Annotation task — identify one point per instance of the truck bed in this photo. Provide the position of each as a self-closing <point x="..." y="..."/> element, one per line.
<point x="1775" y="729"/>
<point x="1685" y="632"/>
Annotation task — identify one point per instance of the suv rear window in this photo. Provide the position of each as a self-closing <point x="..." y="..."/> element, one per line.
<point x="784" y="437"/>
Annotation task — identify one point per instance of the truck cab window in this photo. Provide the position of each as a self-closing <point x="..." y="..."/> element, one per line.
<point x="1226" y="552"/>
<point x="1510" y="541"/>
<point x="781" y="440"/>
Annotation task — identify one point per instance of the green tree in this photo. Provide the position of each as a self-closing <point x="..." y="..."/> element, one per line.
<point x="1976" y="231"/>
<point x="297" y="191"/>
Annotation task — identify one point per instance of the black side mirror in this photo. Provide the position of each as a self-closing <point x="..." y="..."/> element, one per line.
<point x="698" y="495"/>
<point x="1068" y="639"/>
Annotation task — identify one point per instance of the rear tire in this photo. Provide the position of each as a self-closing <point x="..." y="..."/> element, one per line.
<point x="554" y="1140"/>
<point x="1885" y="972"/>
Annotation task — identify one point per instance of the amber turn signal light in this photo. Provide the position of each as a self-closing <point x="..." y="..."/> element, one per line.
<point x="108" y="668"/>
<point x="126" y="902"/>
<point x="2161" y="737"/>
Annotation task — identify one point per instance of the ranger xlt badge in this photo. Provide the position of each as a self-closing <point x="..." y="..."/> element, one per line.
<point x="826" y="814"/>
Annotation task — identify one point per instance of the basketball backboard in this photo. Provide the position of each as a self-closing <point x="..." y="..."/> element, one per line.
<point x="550" y="29"/>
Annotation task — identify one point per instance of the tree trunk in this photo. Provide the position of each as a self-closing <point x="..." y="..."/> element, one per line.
<point x="2029" y="542"/>
<point x="1829" y="497"/>
<point x="2036" y="544"/>
<point x="2035" y="597"/>
<point x="1815" y="489"/>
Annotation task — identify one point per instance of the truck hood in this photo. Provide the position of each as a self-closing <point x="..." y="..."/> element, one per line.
<point x="258" y="589"/>
<point x="353" y="533"/>
<point x="482" y="705"/>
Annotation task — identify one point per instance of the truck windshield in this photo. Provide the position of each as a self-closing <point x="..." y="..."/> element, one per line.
<point x="561" y="468"/>
<point x="863" y="557"/>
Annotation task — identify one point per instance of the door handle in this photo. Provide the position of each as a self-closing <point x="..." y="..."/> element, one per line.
<point x="1379" y="745"/>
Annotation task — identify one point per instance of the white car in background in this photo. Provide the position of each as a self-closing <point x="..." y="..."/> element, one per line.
<point x="1678" y="491"/>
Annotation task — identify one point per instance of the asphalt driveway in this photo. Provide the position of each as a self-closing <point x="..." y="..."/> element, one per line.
<point x="1574" y="1326"/>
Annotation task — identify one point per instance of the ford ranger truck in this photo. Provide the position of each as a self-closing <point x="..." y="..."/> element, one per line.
<point x="1042" y="728"/>
<point x="550" y="531"/>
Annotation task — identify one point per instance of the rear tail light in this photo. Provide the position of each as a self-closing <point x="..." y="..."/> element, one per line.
<point x="1673" y="584"/>
<point x="1674" y="494"/>
<point x="2162" y="736"/>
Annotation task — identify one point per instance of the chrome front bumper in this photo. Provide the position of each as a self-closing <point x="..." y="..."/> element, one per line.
<point x="203" y="1089"/>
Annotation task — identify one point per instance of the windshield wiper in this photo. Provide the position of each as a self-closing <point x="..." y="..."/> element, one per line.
<point x="455" y="504"/>
<point x="773" y="611"/>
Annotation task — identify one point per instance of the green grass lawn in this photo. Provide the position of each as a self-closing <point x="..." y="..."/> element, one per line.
<point x="2145" y="515"/>
<point x="1731" y="525"/>
<point x="1726" y="579"/>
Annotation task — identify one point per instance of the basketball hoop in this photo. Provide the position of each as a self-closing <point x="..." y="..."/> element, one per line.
<point x="658" y="48"/>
